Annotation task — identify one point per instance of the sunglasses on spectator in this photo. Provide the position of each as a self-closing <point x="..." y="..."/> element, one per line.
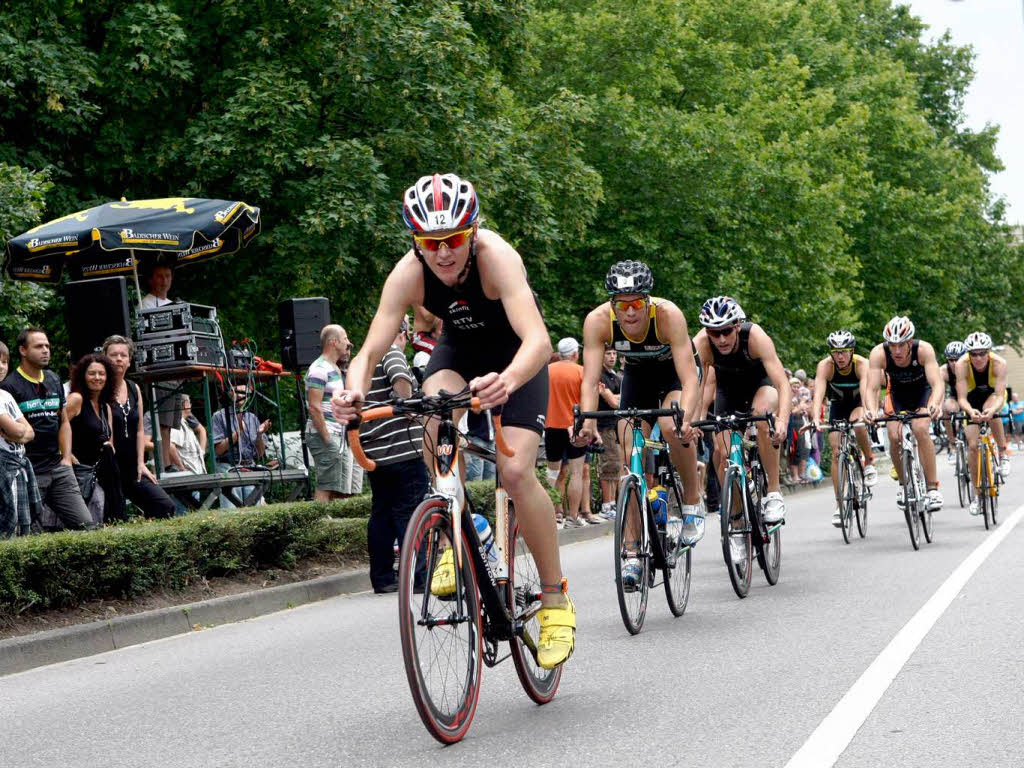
<point x="432" y="243"/>
<point x="622" y="306"/>
<point x="721" y="333"/>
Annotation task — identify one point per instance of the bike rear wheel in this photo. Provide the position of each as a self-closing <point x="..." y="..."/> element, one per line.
<point x="677" y="554"/>
<point x="768" y="548"/>
<point x="910" y="501"/>
<point x="738" y="529"/>
<point x="443" y="658"/>
<point x="862" y="502"/>
<point x="924" y="511"/>
<point x="631" y="542"/>
<point x="963" y="477"/>
<point x="524" y="595"/>
<point x="995" y="496"/>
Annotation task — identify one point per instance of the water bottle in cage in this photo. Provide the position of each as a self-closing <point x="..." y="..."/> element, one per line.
<point x="483" y="530"/>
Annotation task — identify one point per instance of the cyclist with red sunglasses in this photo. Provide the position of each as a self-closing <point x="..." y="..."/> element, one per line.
<point x="659" y="369"/>
<point x="749" y="376"/>
<point x="494" y="338"/>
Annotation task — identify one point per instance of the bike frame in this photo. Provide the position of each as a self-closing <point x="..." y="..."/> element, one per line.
<point x="987" y="446"/>
<point x="636" y="468"/>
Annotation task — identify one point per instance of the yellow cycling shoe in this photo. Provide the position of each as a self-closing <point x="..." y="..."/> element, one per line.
<point x="893" y="473"/>
<point x="557" y="634"/>
<point x="442" y="583"/>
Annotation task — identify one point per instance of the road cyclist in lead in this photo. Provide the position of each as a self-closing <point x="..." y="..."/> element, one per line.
<point x="915" y="385"/>
<point x="650" y="333"/>
<point x="494" y="339"/>
<point x="842" y="377"/>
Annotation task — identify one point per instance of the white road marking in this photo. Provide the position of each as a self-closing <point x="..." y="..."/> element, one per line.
<point x="828" y="741"/>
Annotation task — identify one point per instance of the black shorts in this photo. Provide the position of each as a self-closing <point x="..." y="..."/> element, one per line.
<point x="558" y="447"/>
<point x="647" y="386"/>
<point x="841" y="409"/>
<point x="527" y="407"/>
<point x="977" y="397"/>
<point x="737" y="398"/>
<point x="910" y="400"/>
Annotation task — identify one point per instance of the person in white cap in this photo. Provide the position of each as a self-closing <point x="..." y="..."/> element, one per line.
<point x="565" y="379"/>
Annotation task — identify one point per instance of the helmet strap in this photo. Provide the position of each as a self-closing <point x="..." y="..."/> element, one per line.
<point x="469" y="262"/>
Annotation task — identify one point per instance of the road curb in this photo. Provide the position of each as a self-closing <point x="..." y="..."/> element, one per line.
<point x="20" y="654"/>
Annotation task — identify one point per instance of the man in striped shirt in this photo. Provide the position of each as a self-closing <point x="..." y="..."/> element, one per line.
<point x="400" y="480"/>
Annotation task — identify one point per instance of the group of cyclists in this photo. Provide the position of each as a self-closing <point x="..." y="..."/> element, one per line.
<point x="494" y="341"/>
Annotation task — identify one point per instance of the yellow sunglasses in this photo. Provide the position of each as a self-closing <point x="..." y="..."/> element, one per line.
<point x="454" y="240"/>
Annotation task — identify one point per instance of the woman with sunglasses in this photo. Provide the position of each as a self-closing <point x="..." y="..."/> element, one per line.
<point x="981" y="390"/>
<point x="651" y="336"/>
<point x="494" y="338"/>
<point x="911" y="370"/>
<point x="842" y="377"/>
<point x="749" y="377"/>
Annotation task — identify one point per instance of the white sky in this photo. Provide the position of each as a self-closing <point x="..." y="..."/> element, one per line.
<point x="995" y="29"/>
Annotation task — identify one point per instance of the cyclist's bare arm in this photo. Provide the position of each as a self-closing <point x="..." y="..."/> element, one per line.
<point x="596" y="333"/>
<point x="820" y="385"/>
<point x="960" y="368"/>
<point x="999" y="377"/>
<point x="672" y="329"/>
<point x="708" y="396"/>
<point x="876" y="371"/>
<point x="926" y="356"/>
<point x="763" y="348"/>
<point x="503" y="276"/>
<point x="423" y="321"/>
<point x="403" y="287"/>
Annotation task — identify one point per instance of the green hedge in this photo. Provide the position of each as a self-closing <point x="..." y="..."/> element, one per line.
<point x="62" y="570"/>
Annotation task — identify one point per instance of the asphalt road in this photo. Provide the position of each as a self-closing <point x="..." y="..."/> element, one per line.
<point x="731" y="683"/>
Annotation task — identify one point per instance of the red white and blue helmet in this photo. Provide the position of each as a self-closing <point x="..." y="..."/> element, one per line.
<point x="440" y="202"/>
<point x="720" y="311"/>
<point x="898" y="330"/>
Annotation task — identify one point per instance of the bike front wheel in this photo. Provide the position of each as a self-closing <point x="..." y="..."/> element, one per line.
<point x="677" y="553"/>
<point x="910" y="501"/>
<point x="441" y="628"/>
<point x="985" y="494"/>
<point x="632" y="548"/>
<point x="963" y="477"/>
<point x="862" y="503"/>
<point x="524" y="596"/>
<point x="847" y="498"/>
<point x="736" y="527"/>
<point x="924" y="510"/>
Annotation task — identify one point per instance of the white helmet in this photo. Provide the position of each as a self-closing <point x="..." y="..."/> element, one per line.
<point x="898" y="329"/>
<point x="978" y="340"/>
<point x="955" y="350"/>
<point x="719" y="312"/>
<point x="841" y="340"/>
<point x="439" y="202"/>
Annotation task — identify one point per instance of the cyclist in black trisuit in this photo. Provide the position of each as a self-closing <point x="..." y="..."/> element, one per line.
<point x="842" y="377"/>
<point x="953" y="352"/>
<point x="749" y="376"/>
<point x="494" y="338"/>
<point x="915" y="386"/>
<point x="651" y="335"/>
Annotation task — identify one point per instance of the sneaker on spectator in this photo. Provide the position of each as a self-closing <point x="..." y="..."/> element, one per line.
<point x="573" y="522"/>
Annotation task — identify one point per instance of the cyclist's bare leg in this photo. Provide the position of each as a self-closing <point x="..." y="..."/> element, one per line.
<point x="949" y="407"/>
<point x="534" y="510"/>
<point x="722" y="441"/>
<point x="895" y="447"/>
<point x="925" y="449"/>
<point x="766" y="400"/>
<point x="833" y="440"/>
<point x="684" y="457"/>
<point x="863" y="439"/>
<point x="972" y="431"/>
<point x="997" y="424"/>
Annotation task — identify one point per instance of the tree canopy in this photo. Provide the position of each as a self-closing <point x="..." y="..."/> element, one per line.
<point x="809" y="157"/>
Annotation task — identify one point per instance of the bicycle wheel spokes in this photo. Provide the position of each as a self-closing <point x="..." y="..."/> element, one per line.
<point x="922" y="504"/>
<point x="862" y="503"/>
<point x="736" y="527"/>
<point x="442" y="639"/>
<point x="985" y="497"/>
<point x="524" y="591"/>
<point x="677" y="554"/>
<point x="963" y="477"/>
<point x="632" y="555"/>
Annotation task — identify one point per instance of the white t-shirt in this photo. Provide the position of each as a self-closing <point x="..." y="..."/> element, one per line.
<point x="9" y="406"/>
<point x="149" y="301"/>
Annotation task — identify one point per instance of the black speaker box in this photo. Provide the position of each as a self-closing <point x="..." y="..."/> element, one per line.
<point x="93" y="310"/>
<point x="300" y="322"/>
